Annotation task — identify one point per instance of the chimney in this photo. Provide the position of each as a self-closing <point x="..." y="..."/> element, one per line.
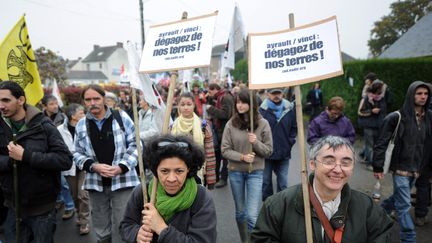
<point x="120" y="44"/>
<point x="95" y="47"/>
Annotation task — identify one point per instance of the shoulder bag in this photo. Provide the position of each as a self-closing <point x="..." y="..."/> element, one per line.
<point x="390" y="146"/>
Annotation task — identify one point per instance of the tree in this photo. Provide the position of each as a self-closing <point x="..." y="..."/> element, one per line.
<point x="241" y="71"/>
<point x="403" y="15"/>
<point x="50" y="65"/>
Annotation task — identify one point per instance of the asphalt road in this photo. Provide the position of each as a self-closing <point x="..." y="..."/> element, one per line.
<point x="362" y="180"/>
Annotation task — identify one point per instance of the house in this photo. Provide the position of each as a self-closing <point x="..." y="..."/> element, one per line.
<point x="78" y="77"/>
<point x="416" y="42"/>
<point x="107" y="60"/>
<point x="71" y="63"/>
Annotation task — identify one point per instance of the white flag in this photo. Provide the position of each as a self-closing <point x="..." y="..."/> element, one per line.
<point x="138" y="80"/>
<point x="56" y="93"/>
<point x="186" y="77"/>
<point x="236" y="39"/>
<point x="229" y="80"/>
<point x="143" y="82"/>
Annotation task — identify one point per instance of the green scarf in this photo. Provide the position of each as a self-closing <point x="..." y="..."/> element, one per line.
<point x="168" y="205"/>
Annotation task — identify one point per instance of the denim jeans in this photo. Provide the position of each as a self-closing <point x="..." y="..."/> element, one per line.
<point x="400" y="201"/>
<point x="66" y="195"/>
<point x="246" y="190"/>
<point x="34" y="229"/>
<point x="280" y="168"/>
<point x="370" y="136"/>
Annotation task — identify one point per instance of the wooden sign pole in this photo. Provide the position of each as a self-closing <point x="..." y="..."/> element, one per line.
<point x="251" y="97"/>
<point x="167" y="117"/>
<point x="301" y="143"/>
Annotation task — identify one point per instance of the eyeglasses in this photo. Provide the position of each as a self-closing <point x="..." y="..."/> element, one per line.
<point x="168" y="143"/>
<point x="331" y="163"/>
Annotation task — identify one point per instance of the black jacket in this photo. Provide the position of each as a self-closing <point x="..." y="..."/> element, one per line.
<point x="311" y="97"/>
<point x="45" y="155"/>
<point x="367" y="119"/>
<point x="411" y="143"/>
<point x="195" y="224"/>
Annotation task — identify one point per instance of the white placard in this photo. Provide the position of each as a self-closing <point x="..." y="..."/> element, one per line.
<point x="183" y="44"/>
<point x="295" y="56"/>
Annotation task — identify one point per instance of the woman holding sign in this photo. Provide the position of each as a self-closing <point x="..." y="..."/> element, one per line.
<point x="245" y="149"/>
<point x="184" y="211"/>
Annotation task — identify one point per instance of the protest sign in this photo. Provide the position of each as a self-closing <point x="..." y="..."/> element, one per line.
<point x="183" y="44"/>
<point x="294" y="56"/>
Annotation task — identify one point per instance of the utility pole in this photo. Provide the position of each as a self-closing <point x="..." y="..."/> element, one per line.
<point x="142" y="23"/>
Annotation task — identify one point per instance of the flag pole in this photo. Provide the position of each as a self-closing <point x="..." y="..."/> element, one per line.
<point x="138" y="145"/>
<point x="301" y="142"/>
<point x="167" y="117"/>
<point x="17" y="198"/>
<point x="136" y="119"/>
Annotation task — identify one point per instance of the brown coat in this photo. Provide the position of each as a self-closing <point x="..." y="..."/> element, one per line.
<point x="235" y="142"/>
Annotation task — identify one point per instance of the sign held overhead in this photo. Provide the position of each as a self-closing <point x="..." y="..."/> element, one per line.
<point x="295" y="56"/>
<point x="178" y="45"/>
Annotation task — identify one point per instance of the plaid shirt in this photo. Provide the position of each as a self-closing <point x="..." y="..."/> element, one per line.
<point x="125" y="153"/>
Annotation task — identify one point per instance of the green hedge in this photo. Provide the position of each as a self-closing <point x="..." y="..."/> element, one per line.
<point x="398" y="74"/>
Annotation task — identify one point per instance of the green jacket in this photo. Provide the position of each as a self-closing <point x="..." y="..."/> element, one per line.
<point x="282" y="219"/>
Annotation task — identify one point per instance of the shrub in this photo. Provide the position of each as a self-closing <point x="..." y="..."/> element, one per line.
<point x="398" y="74"/>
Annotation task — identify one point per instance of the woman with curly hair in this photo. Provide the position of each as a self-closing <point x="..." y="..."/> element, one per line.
<point x="184" y="211"/>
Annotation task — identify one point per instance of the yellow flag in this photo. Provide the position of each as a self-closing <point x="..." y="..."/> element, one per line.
<point x="18" y="63"/>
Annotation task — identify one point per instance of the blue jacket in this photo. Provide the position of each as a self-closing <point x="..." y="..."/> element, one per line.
<point x="284" y="130"/>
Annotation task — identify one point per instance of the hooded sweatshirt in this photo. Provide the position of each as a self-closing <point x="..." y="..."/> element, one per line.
<point x="410" y="143"/>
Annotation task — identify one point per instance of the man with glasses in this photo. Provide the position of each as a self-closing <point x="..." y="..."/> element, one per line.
<point x="332" y="161"/>
<point x="332" y="121"/>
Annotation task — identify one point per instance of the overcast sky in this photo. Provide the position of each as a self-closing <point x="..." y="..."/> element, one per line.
<point x="72" y="27"/>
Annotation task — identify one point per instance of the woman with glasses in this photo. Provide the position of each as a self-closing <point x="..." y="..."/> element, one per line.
<point x="184" y="211"/>
<point x="245" y="151"/>
<point x="352" y="215"/>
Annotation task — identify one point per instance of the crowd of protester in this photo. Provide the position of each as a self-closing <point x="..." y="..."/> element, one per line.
<point x="219" y="135"/>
